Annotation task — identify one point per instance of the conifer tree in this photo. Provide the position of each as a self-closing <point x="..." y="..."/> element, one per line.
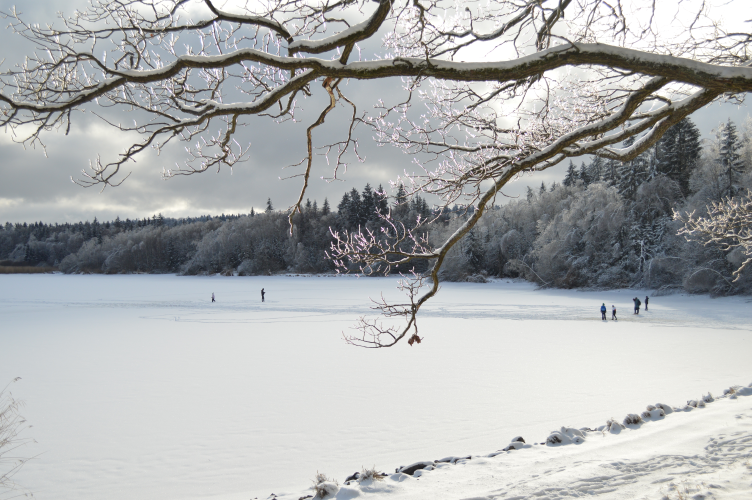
<point x="583" y="174"/>
<point x="730" y="159"/>
<point x="570" y="179"/>
<point x="325" y="209"/>
<point x="343" y="209"/>
<point x="368" y="204"/>
<point x="596" y="169"/>
<point x="631" y="174"/>
<point x="381" y="200"/>
<point x="610" y="172"/>
<point x="269" y="206"/>
<point x="356" y="214"/>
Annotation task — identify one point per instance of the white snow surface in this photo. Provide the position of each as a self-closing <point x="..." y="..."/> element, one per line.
<point x="139" y="387"/>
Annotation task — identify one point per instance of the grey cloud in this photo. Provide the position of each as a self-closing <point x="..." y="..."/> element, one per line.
<point x="33" y="187"/>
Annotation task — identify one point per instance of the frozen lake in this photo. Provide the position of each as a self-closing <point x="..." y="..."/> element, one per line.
<point x="139" y="387"/>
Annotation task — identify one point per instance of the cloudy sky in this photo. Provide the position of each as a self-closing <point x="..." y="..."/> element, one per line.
<point x="38" y="187"/>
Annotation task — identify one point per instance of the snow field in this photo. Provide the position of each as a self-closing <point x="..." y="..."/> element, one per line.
<point x="138" y="386"/>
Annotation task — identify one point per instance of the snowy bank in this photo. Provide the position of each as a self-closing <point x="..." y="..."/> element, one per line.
<point x="699" y="450"/>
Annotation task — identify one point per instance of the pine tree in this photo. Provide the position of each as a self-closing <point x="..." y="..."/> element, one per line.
<point x="730" y="159"/>
<point x="530" y="194"/>
<point x="474" y="252"/>
<point x="631" y="174"/>
<point x="381" y="200"/>
<point x="269" y="206"/>
<point x="368" y="204"/>
<point x="400" y="202"/>
<point x="542" y="188"/>
<point x="356" y="214"/>
<point x="610" y="172"/>
<point x="343" y="210"/>
<point x="325" y="209"/>
<point x="596" y="169"/>
<point x="583" y="174"/>
<point x="571" y="178"/>
<point x="401" y="197"/>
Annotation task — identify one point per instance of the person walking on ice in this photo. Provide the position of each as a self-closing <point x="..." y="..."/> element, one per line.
<point x="637" y="305"/>
<point x="213" y="297"/>
<point x="613" y="313"/>
<point x="603" y="311"/>
<point x="646" y="302"/>
<point x="262" y="294"/>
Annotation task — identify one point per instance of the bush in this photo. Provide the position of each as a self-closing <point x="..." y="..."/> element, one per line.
<point x="11" y="426"/>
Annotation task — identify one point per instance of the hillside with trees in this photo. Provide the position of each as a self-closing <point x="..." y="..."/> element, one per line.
<point x="608" y="224"/>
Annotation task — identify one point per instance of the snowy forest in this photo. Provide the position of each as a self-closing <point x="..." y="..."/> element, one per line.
<point x="607" y="224"/>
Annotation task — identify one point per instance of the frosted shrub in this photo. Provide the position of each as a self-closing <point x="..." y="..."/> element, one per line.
<point x="666" y="408"/>
<point x="653" y="413"/>
<point x="565" y="435"/>
<point x="11" y="425"/>
<point x="324" y="487"/>
<point x="370" y="475"/>
<point x="632" y="419"/>
<point x="708" y="398"/>
<point x="613" y="426"/>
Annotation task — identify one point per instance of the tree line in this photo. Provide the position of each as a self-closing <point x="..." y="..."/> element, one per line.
<point x="608" y="224"/>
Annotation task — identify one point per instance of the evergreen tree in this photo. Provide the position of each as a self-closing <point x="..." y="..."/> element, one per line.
<point x="400" y="202"/>
<point x="631" y="174"/>
<point x="325" y="210"/>
<point x="474" y="251"/>
<point x="542" y="188"/>
<point x="381" y="201"/>
<point x="571" y="178"/>
<point x="596" y="169"/>
<point x="730" y="159"/>
<point x="530" y="194"/>
<point x="610" y="172"/>
<point x="343" y="210"/>
<point x="269" y="206"/>
<point x="401" y="197"/>
<point x="368" y="204"/>
<point x="356" y="214"/>
<point x="583" y="174"/>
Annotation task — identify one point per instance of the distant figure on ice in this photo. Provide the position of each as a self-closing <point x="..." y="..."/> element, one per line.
<point x="637" y="305"/>
<point x="213" y="297"/>
<point x="613" y="312"/>
<point x="603" y="311"/>
<point x="646" y="302"/>
<point x="262" y="294"/>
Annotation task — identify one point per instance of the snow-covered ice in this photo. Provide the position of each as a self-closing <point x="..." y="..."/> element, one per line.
<point x="139" y="387"/>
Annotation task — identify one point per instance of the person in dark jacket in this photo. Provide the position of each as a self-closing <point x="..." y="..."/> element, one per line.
<point x="637" y="305"/>
<point x="613" y="312"/>
<point x="262" y="294"/>
<point x="213" y="297"/>
<point x="646" y="302"/>
<point x="603" y="311"/>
